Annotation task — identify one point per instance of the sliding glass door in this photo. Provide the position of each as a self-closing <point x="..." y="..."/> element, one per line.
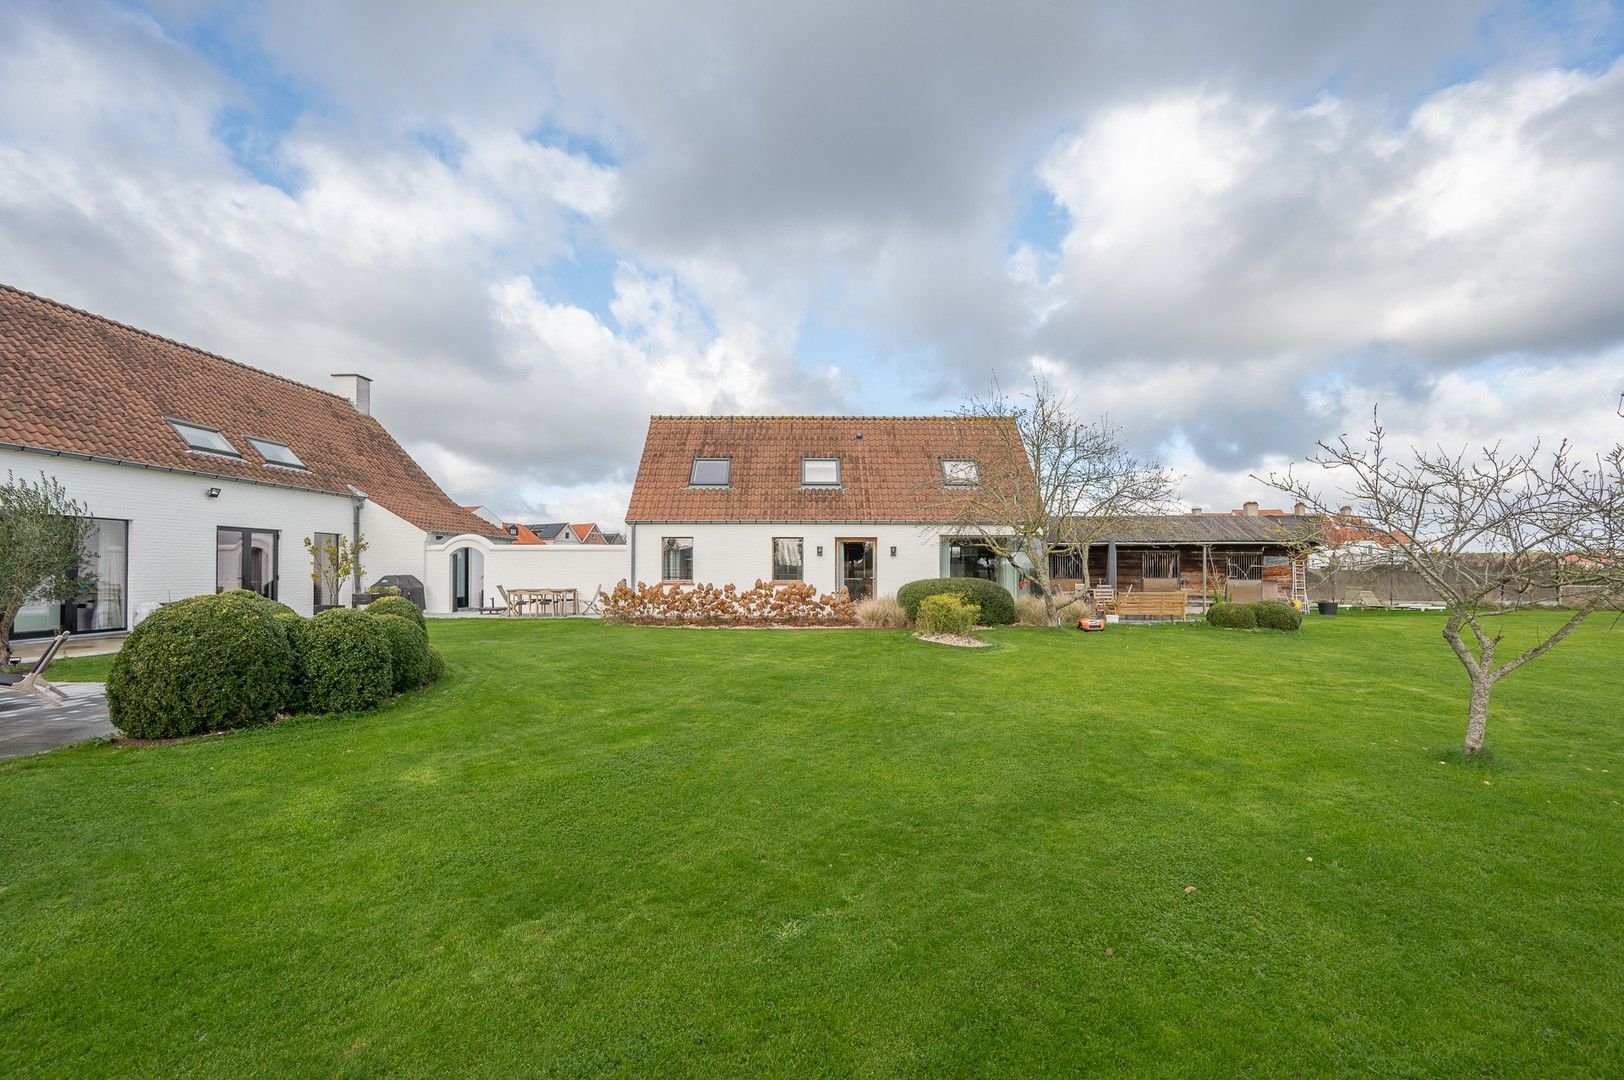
<point x="246" y="559"/>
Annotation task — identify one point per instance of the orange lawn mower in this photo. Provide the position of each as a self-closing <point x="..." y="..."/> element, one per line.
<point x="1091" y="622"/>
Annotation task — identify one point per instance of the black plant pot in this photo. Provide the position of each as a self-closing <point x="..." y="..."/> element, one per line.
<point x="1327" y="607"/>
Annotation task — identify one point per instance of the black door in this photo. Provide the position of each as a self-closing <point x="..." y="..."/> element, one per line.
<point x="245" y="559"/>
<point x="459" y="579"/>
<point x="857" y="568"/>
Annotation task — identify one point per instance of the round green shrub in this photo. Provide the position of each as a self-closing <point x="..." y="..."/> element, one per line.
<point x="397" y="605"/>
<point x="947" y="613"/>
<point x="298" y="630"/>
<point x="209" y="663"/>
<point x="436" y="665"/>
<point x="996" y="604"/>
<point x="1277" y="615"/>
<point x="274" y="607"/>
<point x="408" y="650"/>
<point x="1233" y="616"/>
<point x="349" y="664"/>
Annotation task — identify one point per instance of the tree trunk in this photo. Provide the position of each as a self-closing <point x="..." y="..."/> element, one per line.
<point x="1477" y="715"/>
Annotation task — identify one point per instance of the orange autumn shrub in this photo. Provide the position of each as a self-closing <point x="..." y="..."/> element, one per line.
<point x="764" y="604"/>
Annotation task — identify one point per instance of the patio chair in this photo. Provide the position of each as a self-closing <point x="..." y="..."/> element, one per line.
<point x="34" y="682"/>
<point x="510" y="605"/>
<point x="1103" y="597"/>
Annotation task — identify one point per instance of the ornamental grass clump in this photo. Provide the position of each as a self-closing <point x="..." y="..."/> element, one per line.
<point x="881" y="613"/>
<point x="209" y="663"/>
<point x="946" y="615"/>
<point x="349" y="665"/>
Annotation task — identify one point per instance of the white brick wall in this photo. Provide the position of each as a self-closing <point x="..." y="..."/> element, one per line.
<point x="742" y="554"/>
<point x="172" y="526"/>
<point x="584" y="567"/>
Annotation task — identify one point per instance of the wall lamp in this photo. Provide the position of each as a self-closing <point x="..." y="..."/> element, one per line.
<point x="893" y="551"/>
<point x="213" y="493"/>
<point x="820" y="551"/>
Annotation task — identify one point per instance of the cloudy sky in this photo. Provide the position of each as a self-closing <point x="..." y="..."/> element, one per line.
<point x="534" y="224"/>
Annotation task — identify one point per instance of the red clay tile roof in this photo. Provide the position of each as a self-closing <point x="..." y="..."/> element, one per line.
<point x="890" y="467"/>
<point x="83" y="384"/>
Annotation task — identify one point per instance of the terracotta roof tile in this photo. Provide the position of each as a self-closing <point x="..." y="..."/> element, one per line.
<point x="84" y="384"/>
<point x="890" y="467"/>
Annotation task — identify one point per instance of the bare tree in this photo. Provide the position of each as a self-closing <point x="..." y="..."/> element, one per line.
<point x="1084" y="481"/>
<point x="1488" y="533"/>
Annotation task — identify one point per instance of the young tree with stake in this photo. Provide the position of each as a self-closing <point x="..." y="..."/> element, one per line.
<point x="1488" y="533"/>
<point x="1085" y="482"/>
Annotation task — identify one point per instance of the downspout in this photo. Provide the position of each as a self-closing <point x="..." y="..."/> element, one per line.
<point x="631" y="544"/>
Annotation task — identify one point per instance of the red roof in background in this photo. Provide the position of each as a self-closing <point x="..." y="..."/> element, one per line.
<point x="521" y="533"/>
<point x="83" y="384"/>
<point x="890" y="467"/>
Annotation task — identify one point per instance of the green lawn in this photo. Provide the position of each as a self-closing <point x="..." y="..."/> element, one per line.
<point x="640" y="852"/>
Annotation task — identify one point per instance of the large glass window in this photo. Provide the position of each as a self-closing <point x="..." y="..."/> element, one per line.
<point x="971" y="558"/>
<point x="677" y="558"/>
<point x="1161" y="564"/>
<point x="711" y="472"/>
<point x="788" y="564"/>
<point x="820" y="472"/>
<point x="245" y="559"/>
<point x="103" y="567"/>
<point x="203" y="438"/>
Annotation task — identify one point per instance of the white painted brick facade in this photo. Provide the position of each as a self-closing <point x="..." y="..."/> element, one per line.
<point x="172" y="526"/>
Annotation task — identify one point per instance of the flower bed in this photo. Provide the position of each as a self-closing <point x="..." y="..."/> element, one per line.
<point x="764" y="604"/>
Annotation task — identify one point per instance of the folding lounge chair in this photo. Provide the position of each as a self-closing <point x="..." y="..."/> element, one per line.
<point x="34" y="682"/>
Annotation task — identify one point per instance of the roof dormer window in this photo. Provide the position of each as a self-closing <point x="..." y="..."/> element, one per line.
<point x="820" y="472"/>
<point x="276" y="453"/>
<point x="960" y="473"/>
<point x="711" y="472"/>
<point x="206" y="439"/>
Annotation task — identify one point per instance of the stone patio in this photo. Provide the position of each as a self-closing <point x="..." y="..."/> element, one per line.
<point x="29" y="726"/>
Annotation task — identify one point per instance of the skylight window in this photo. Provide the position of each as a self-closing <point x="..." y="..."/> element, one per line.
<point x="276" y="453"/>
<point x="820" y="472"/>
<point x="960" y="473"/>
<point x="206" y="439"/>
<point x="711" y="472"/>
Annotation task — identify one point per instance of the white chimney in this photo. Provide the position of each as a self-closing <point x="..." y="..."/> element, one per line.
<point x="1299" y="509"/>
<point x="1249" y="508"/>
<point x="356" y="389"/>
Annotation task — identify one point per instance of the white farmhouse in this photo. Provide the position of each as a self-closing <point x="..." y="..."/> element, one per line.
<point x="862" y="503"/>
<point x="203" y="474"/>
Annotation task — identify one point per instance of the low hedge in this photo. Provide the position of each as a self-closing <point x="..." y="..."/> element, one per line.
<point x="996" y="604"/>
<point x="349" y="664"/>
<point x="398" y="605"/>
<point x="1277" y="615"/>
<point x="1258" y="615"/>
<point x="408" y="649"/>
<point x="1233" y="616"/>
<point x="208" y="663"/>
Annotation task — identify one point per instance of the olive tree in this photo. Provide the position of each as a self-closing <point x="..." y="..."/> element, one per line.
<point x="1489" y="531"/>
<point x="42" y="541"/>
<point x="1084" y="481"/>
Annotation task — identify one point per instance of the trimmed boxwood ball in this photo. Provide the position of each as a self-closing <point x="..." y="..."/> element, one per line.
<point x="1277" y="615"/>
<point x="408" y="650"/>
<point x="209" y="663"/>
<point x="273" y="606"/>
<point x="297" y="628"/>
<point x="397" y="605"/>
<point x="1233" y="616"/>
<point x="996" y="604"/>
<point x="349" y="664"/>
<point x="436" y="665"/>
